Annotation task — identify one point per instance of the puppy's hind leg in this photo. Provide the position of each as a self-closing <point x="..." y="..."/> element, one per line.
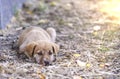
<point x="51" y="31"/>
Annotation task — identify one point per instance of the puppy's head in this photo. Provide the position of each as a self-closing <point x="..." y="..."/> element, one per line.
<point x="44" y="52"/>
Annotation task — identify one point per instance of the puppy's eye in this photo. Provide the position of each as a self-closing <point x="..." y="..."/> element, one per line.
<point x="40" y="53"/>
<point x="50" y="53"/>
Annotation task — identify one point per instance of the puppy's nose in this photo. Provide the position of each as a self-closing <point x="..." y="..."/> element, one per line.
<point x="54" y="59"/>
<point x="46" y="63"/>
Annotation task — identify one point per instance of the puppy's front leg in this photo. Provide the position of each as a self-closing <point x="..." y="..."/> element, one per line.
<point x="22" y="48"/>
<point x="28" y="55"/>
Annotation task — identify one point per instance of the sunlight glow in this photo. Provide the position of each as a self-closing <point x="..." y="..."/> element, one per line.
<point x="111" y="8"/>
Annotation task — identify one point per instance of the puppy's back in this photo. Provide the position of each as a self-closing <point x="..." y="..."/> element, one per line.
<point x="33" y="34"/>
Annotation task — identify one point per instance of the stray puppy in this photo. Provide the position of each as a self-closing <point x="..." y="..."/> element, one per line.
<point x="39" y="44"/>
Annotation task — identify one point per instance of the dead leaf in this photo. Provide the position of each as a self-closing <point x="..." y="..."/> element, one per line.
<point x="88" y="65"/>
<point x="11" y="78"/>
<point x="13" y="19"/>
<point x="96" y="28"/>
<point x="53" y="3"/>
<point x="76" y="55"/>
<point x="95" y="33"/>
<point x="70" y="25"/>
<point x="77" y="77"/>
<point x="42" y="21"/>
<point x="41" y="75"/>
<point x="9" y="26"/>
<point x="81" y="63"/>
<point x="1" y="69"/>
<point x="29" y="12"/>
<point x="102" y="65"/>
<point x="68" y="6"/>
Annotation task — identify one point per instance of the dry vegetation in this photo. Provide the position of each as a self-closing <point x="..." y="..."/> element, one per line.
<point x="89" y="41"/>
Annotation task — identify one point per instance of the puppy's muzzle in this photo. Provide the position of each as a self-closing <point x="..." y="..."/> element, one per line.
<point x="47" y="63"/>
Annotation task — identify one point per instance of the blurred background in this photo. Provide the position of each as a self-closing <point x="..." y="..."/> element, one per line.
<point x="7" y="9"/>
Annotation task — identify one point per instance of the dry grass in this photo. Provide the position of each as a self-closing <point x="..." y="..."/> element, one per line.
<point x="85" y="53"/>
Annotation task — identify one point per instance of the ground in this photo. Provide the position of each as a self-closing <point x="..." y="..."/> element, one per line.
<point x="89" y="41"/>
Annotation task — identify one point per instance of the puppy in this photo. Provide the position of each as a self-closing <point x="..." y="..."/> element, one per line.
<point x="39" y="44"/>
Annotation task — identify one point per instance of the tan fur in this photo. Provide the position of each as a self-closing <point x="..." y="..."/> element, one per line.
<point x="36" y="40"/>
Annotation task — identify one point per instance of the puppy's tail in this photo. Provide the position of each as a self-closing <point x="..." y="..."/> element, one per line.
<point x="51" y="31"/>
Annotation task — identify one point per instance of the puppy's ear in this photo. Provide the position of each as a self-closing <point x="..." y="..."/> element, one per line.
<point x="30" y="48"/>
<point x="55" y="48"/>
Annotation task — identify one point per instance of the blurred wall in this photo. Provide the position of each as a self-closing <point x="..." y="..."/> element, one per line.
<point x="7" y="10"/>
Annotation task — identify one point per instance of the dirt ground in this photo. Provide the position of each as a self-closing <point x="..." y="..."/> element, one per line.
<point x="89" y="41"/>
